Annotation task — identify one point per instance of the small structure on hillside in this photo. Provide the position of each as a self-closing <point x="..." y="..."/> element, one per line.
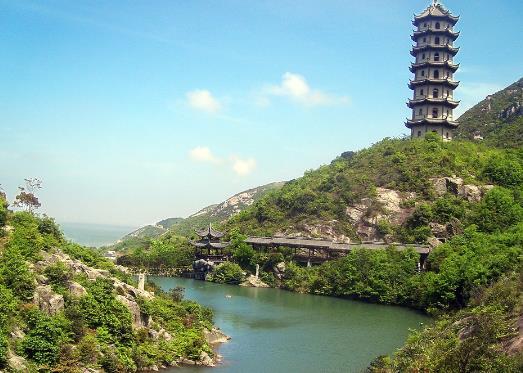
<point x="433" y="68"/>
<point x="210" y="247"/>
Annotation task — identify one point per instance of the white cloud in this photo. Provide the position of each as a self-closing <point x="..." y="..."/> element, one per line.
<point x="243" y="167"/>
<point x="202" y="99"/>
<point x="296" y="88"/>
<point x="203" y="154"/>
<point x="239" y="165"/>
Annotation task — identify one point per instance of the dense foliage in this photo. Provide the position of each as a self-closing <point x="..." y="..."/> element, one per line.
<point x="166" y="252"/>
<point x="227" y="273"/>
<point x="474" y="339"/>
<point x="406" y="166"/>
<point x="498" y="118"/>
<point x="96" y="329"/>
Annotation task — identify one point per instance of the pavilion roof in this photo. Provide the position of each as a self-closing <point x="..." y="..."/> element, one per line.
<point x="435" y="10"/>
<point x="209" y="232"/>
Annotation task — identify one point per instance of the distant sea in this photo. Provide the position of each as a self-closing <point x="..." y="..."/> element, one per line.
<point x="94" y="235"/>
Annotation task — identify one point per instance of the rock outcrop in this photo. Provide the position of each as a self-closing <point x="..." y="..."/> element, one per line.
<point x="456" y="186"/>
<point x="47" y="300"/>
<point x="254" y="282"/>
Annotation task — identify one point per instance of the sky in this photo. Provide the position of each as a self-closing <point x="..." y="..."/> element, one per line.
<point x="134" y="111"/>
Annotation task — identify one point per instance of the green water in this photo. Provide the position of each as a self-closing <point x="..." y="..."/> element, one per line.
<point x="278" y="331"/>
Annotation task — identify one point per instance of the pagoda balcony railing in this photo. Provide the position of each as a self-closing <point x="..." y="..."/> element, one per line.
<point x="417" y="33"/>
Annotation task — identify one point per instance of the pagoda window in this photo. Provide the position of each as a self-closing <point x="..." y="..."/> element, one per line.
<point x="436" y="57"/>
<point x="448" y="93"/>
<point x="419" y="133"/>
<point x="447" y="135"/>
<point x="421" y="92"/>
<point x="420" y="112"/>
<point x="437" y="40"/>
<point x="435" y="113"/>
<point x="423" y="56"/>
<point x="422" y="72"/>
<point x="435" y="93"/>
<point x="438" y="25"/>
<point x="436" y="74"/>
<point x="424" y="40"/>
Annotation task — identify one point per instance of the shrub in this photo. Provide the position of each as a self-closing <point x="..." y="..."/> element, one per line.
<point x="59" y="275"/>
<point x="15" y="273"/>
<point x="45" y="336"/>
<point x="3" y="211"/>
<point x="227" y="273"/>
<point x="497" y="211"/>
<point x="504" y="171"/>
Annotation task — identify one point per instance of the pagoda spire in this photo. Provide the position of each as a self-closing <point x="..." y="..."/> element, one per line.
<point x="433" y="84"/>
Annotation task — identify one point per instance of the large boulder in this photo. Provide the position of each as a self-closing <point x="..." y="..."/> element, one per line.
<point x="134" y="308"/>
<point x="254" y="282"/>
<point x="76" y="289"/>
<point x="47" y="300"/>
<point x="215" y="336"/>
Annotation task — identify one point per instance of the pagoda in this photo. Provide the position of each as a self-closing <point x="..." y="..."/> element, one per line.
<point x="433" y="68"/>
<point x="209" y="245"/>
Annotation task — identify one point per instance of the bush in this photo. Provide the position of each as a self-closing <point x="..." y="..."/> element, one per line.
<point x="45" y="337"/>
<point x="59" y="275"/>
<point x="3" y="211"/>
<point x="227" y="273"/>
<point x="497" y="211"/>
<point x="15" y="273"/>
<point x="503" y="170"/>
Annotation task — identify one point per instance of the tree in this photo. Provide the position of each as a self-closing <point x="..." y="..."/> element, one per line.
<point x="26" y="198"/>
<point x="497" y="211"/>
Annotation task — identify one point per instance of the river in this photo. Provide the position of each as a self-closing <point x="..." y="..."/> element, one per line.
<point x="276" y="331"/>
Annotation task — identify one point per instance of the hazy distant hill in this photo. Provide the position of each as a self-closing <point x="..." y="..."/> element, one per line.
<point x="220" y="212"/>
<point x="211" y="214"/>
<point x="498" y="118"/>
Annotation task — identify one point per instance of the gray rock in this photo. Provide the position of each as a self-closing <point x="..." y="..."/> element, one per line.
<point x="16" y="363"/>
<point x="47" y="300"/>
<point x="215" y="336"/>
<point x="206" y="360"/>
<point x="134" y="308"/>
<point x="472" y="193"/>
<point x="77" y="290"/>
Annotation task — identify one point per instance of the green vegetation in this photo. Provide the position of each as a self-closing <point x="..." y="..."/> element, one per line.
<point x="494" y="120"/>
<point x="94" y="328"/>
<point x="474" y="339"/>
<point x="165" y="230"/>
<point x="167" y="252"/>
<point x="405" y="166"/>
<point x="227" y="273"/>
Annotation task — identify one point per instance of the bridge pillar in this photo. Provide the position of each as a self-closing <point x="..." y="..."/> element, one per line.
<point x="309" y="263"/>
<point x="257" y="271"/>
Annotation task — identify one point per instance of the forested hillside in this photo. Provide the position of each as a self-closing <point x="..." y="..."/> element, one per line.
<point x="64" y="308"/>
<point x="498" y="119"/>
<point x="397" y="189"/>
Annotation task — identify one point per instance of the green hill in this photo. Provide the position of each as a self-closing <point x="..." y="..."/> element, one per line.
<point x="380" y="191"/>
<point x="65" y="308"/>
<point x="498" y="119"/>
<point x="215" y="214"/>
<point x="219" y="213"/>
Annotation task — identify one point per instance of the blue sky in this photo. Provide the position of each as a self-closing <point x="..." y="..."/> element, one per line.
<point x="133" y="111"/>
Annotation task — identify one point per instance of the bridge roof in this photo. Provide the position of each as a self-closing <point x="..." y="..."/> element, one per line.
<point x="309" y="243"/>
